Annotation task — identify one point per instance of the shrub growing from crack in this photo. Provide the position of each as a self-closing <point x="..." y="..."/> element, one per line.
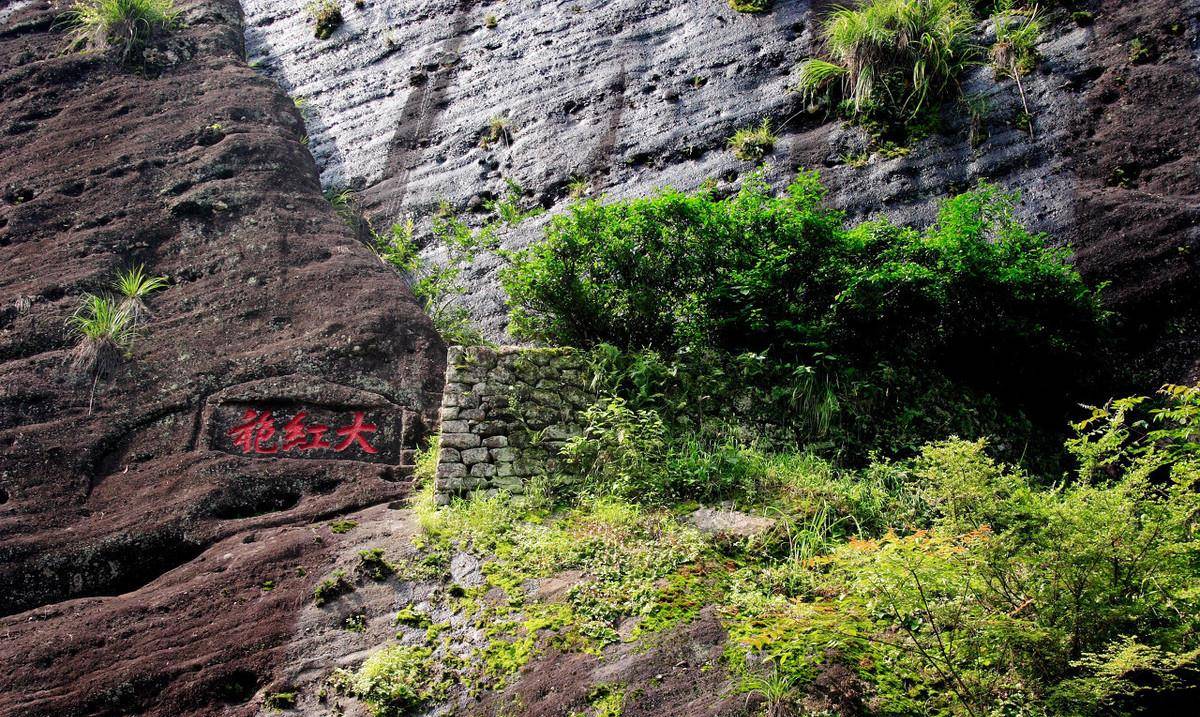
<point x="127" y="25"/>
<point x="332" y="587"/>
<point x="750" y="5"/>
<point x="1015" y="51"/>
<point x="327" y="16"/>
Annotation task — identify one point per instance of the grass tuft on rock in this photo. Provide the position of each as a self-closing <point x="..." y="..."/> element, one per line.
<point x="127" y="25"/>
<point x="751" y="144"/>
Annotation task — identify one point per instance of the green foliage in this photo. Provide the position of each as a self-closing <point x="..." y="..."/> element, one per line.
<point x="134" y="285"/>
<point x="949" y="584"/>
<point x="1141" y="51"/>
<point x="342" y="200"/>
<point x="890" y="59"/>
<point x="964" y="327"/>
<point x="342" y="525"/>
<point x="332" y="587"/>
<point x="499" y="130"/>
<point x="1079" y="599"/>
<point x="355" y="622"/>
<point x="750" y="5"/>
<point x="394" y="681"/>
<point x="279" y="701"/>
<point x="374" y="565"/>
<point x="128" y="25"/>
<point x="326" y="16"/>
<point x="106" y="333"/>
<point x="750" y="144"/>
<point x="438" y="286"/>
<point x="1015" y="51"/>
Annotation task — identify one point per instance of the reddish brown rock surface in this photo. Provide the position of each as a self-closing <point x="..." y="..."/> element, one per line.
<point x="135" y="539"/>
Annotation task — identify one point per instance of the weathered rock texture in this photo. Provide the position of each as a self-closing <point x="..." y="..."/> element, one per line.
<point x="135" y="536"/>
<point x="505" y="415"/>
<point x="629" y="95"/>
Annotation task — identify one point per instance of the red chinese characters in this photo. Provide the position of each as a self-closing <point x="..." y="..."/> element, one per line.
<point x="257" y="434"/>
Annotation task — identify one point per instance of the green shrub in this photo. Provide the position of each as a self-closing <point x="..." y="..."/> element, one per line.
<point x="127" y="25"/>
<point x="750" y="5"/>
<point x="393" y="681"/>
<point x="332" y="587"/>
<point x="1073" y="600"/>
<point x="279" y="701"/>
<point x="1015" y="51"/>
<point x="326" y="16"/>
<point x="891" y="59"/>
<point x="970" y="324"/>
<point x="751" y="144"/>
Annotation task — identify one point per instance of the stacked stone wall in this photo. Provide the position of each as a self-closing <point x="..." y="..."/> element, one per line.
<point x="505" y="414"/>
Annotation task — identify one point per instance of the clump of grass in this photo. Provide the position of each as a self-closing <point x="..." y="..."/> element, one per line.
<point x="891" y="58"/>
<point x="127" y="25"/>
<point x="327" y="16"/>
<point x="490" y="22"/>
<point x="345" y="205"/>
<point x="106" y="334"/>
<point x="498" y="131"/>
<point x="751" y="144"/>
<point x="1015" y="51"/>
<point x="134" y="285"/>
<point x="750" y="5"/>
<point x="578" y="188"/>
<point x="355" y="622"/>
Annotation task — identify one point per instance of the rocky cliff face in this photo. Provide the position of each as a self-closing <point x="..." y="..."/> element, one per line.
<point x="136" y="535"/>
<point x="630" y="96"/>
<point x="159" y="549"/>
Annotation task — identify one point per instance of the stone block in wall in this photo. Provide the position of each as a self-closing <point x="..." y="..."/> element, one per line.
<point x="459" y="441"/>
<point x="475" y="455"/>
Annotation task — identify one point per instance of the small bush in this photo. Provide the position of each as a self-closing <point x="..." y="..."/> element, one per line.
<point x="332" y="587"/>
<point x="374" y="565"/>
<point x="751" y="144"/>
<point x="1015" y="51"/>
<point x="279" y="701"/>
<point x="750" y="5"/>
<point x="327" y="17"/>
<point x="499" y="131"/>
<point x="127" y="25"/>
<point x="891" y="59"/>
<point x="342" y="525"/>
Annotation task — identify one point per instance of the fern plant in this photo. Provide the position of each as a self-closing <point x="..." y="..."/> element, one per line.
<point x="891" y="58"/>
<point x="124" y="24"/>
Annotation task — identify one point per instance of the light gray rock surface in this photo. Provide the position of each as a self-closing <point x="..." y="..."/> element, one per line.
<point x="633" y="95"/>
